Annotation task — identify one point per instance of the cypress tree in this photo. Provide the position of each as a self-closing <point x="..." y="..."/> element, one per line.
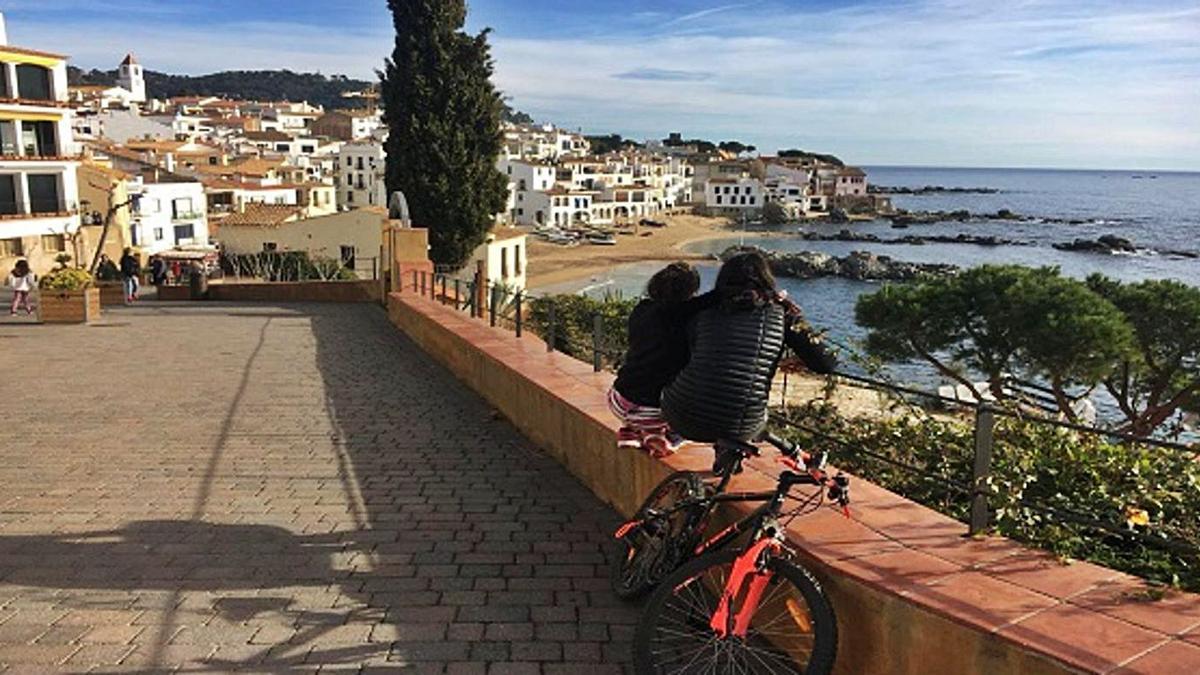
<point x="443" y="116"/>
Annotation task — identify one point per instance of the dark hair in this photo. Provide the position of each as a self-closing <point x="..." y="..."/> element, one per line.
<point x="674" y="283"/>
<point x="746" y="278"/>
<point x="21" y="269"/>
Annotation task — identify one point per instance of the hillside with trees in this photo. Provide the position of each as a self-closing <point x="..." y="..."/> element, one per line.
<point x="254" y="85"/>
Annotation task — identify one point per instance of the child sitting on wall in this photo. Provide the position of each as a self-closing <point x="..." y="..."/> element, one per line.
<point x="658" y="350"/>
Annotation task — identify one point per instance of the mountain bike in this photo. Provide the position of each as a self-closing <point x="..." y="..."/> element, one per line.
<point x="751" y="611"/>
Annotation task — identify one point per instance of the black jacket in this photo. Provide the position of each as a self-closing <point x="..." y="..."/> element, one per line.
<point x="130" y="266"/>
<point x="723" y="391"/>
<point x="658" y="347"/>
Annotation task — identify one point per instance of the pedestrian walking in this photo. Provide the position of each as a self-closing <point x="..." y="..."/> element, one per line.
<point x="130" y="270"/>
<point x="158" y="271"/>
<point x="22" y="281"/>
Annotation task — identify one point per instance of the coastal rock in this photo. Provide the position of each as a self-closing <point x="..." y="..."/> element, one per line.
<point x="912" y="239"/>
<point x="1108" y="243"/>
<point x="1111" y="244"/>
<point x="859" y="265"/>
<point x="930" y="189"/>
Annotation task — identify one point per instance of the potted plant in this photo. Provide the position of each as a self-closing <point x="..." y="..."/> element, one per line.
<point x="68" y="295"/>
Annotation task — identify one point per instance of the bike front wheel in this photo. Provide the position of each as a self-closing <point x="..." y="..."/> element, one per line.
<point x="792" y="628"/>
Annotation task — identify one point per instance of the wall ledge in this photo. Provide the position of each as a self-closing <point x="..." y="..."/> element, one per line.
<point x="913" y="594"/>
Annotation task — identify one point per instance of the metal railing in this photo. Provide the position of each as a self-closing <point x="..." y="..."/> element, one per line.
<point x="506" y="307"/>
<point x="977" y="498"/>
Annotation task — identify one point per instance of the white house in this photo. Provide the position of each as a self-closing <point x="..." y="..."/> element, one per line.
<point x="504" y="258"/>
<point x="39" y="193"/>
<point x="734" y="195"/>
<point x="170" y="211"/>
<point x="360" y="174"/>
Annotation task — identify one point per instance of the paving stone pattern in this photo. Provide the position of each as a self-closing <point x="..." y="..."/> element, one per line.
<point x="282" y="488"/>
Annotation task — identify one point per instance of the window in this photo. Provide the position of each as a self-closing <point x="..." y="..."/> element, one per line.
<point x="8" y="136"/>
<point x="11" y="248"/>
<point x="718" y="199"/>
<point x="53" y="243"/>
<point x="5" y="88"/>
<point x="270" y="247"/>
<point x="281" y="147"/>
<point x="504" y="260"/>
<point x="33" y="82"/>
<point x="158" y="234"/>
<point x="184" y="233"/>
<point x="8" y="195"/>
<point x="517" y="259"/>
<point x="43" y="193"/>
<point x="751" y="200"/>
<point x="182" y="208"/>
<point x="348" y="256"/>
<point x="349" y="197"/>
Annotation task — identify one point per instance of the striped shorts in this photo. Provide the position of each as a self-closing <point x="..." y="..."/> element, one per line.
<point x="641" y="418"/>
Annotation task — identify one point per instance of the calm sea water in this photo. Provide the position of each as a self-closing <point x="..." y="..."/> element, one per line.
<point x="1154" y="210"/>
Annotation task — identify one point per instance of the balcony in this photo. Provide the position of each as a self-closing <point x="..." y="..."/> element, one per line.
<point x="49" y="207"/>
<point x="186" y="216"/>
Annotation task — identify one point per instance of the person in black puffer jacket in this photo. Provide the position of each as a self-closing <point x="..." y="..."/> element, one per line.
<point x="735" y="348"/>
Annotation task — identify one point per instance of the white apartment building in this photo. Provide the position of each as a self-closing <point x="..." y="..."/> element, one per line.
<point x="170" y="211"/>
<point x="528" y="175"/>
<point x="561" y="207"/>
<point x="592" y="174"/>
<point x="39" y="195"/>
<point x="734" y="195"/>
<point x="360" y="176"/>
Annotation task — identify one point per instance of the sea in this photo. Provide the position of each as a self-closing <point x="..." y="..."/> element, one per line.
<point x="1156" y="210"/>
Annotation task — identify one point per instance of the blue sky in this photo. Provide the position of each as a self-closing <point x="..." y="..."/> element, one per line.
<point x="1061" y="83"/>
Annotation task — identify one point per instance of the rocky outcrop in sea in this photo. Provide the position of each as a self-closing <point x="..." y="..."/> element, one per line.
<point x="1111" y="244"/>
<point x="904" y="219"/>
<point x="859" y="265"/>
<point x="913" y="239"/>
<point x="930" y="190"/>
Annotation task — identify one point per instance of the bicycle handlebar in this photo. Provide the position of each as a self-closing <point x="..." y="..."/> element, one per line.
<point x="792" y="451"/>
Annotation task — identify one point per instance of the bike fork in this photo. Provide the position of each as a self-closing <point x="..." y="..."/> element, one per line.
<point x="748" y="582"/>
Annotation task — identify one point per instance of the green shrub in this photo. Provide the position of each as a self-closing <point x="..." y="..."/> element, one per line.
<point x="573" y="317"/>
<point x="1130" y="488"/>
<point x="65" y="279"/>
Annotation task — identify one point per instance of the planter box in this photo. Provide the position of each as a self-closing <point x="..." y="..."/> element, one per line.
<point x="69" y="306"/>
<point x="111" y="293"/>
<point x="174" y="293"/>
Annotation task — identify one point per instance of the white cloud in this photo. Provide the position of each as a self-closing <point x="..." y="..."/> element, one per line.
<point x="1038" y="82"/>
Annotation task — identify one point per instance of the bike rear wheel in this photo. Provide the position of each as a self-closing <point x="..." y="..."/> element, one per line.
<point x="655" y="547"/>
<point x="793" y="631"/>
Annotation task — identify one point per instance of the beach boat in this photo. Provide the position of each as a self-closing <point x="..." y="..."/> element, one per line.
<point x="601" y="239"/>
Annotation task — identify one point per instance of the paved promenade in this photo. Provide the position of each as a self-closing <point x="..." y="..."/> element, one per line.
<point x="282" y="489"/>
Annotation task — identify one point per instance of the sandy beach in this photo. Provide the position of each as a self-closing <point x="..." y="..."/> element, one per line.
<point x="551" y="264"/>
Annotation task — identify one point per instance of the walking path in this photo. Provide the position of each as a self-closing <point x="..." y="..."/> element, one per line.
<point x="282" y="488"/>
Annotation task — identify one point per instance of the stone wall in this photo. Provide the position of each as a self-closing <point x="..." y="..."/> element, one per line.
<point x="285" y="291"/>
<point x="913" y="595"/>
